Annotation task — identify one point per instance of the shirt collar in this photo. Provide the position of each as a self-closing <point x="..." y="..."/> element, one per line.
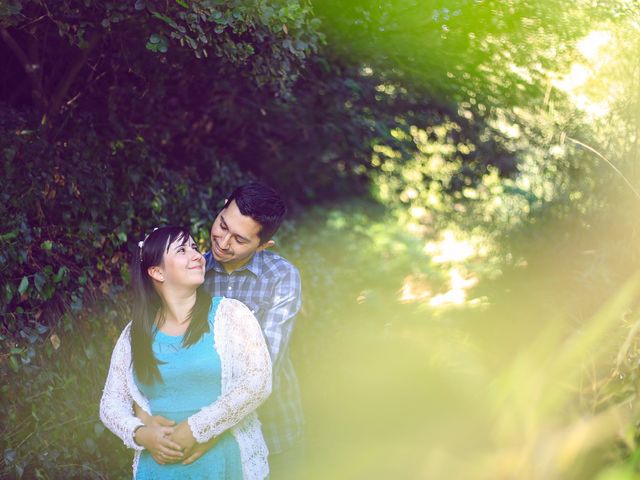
<point x="254" y="265"/>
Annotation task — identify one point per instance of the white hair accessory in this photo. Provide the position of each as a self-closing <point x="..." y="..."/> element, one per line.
<point x="141" y="243"/>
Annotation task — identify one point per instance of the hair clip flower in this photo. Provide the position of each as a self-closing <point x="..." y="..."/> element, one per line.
<point x="141" y="243"/>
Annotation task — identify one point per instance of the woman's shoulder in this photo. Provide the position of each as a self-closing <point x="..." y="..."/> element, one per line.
<point x="231" y="305"/>
<point x="235" y="315"/>
<point x="236" y="326"/>
<point x="126" y="331"/>
<point x="125" y="335"/>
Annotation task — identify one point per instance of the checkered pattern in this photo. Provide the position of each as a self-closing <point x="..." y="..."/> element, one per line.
<point x="270" y="286"/>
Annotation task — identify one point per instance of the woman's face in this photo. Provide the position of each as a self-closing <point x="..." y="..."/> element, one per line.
<point x="182" y="265"/>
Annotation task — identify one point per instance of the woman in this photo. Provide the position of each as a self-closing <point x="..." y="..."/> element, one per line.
<point x="200" y="362"/>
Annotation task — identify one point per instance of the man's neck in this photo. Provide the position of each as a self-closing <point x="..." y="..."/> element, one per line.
<point x="231" y="267"/>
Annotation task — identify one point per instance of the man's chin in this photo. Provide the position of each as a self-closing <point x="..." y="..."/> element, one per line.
<point x="219" y="258"/>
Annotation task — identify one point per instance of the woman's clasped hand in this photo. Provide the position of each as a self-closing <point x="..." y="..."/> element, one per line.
<point x="187" y="373"/>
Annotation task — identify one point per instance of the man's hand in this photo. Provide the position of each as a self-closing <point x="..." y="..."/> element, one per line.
<point x="166" y="426"/>
<point x="149" y="420"/>
<point x="182" y="435"/>
<point x="199" y="449"/>
<point x="179" y="436"/>
<point x="156" y="440"/>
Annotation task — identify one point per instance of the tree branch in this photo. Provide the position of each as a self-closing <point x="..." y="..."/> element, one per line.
<point x="31" y="69"/>
<point x="65" y="84"/>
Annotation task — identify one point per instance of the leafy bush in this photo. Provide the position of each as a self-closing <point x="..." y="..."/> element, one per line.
<point x="74" y="211"/>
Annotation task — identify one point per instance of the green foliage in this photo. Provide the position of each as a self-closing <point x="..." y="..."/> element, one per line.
<point x="270" y="39"/>
<point x="119" y="116"/>
<point x="50" y="394"/>
<point x="484" y="54"/>
<point x="74" y="212"/>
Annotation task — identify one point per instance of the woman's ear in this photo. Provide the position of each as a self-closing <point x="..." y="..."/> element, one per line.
<point x="156" y="273"/>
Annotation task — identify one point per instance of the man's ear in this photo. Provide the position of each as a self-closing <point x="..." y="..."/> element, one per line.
<point x="265" y="245"/>
<point x="156" y="273"/>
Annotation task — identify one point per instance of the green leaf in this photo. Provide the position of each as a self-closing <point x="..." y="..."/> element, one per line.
<point x="192" y="43"/>
<point x="122" y="236"/>
<point x="165" y="19"/>
<point x="154" y="38"/>
<point x="76" y="303"/>
<point x="46" y="245"/>
<point x="39" y="281"/>
<point x="220" y="20"/>
<point x="10" y="153"/>
<point x="9" y="235"/>
<point x="98" y="428"/>
<point x="14" y="363"/>
<point x="182" y="3"/>
<point x="24" y="284"/>
<point x="62" y="272"/>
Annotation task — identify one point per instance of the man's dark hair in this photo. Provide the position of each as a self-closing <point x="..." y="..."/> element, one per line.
<point x="263" y="204"/>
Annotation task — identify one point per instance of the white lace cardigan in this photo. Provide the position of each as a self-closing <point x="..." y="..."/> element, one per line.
<point x="245" y="384"/>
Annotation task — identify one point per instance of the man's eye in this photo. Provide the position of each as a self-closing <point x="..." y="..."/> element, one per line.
<point x="223" y="226"/>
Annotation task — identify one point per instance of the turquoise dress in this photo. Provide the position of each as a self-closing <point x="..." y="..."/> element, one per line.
<point x="191" y="380"/>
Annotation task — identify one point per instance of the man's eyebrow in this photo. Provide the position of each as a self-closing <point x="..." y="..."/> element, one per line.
<point x="235" y="234"/>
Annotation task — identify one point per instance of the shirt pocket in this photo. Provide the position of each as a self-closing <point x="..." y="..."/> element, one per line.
<point x="259" y="308"/>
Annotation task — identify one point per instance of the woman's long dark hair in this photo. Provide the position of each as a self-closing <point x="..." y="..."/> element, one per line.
<point x="147" y="304"/>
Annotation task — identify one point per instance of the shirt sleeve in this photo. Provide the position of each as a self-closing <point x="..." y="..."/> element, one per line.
<point x="116" y="404"/>
<point x="246" y="372"/>
<point x="280" y="317"/>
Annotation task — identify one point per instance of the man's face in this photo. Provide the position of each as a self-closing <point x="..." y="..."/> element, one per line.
<point x="234" y="237"/>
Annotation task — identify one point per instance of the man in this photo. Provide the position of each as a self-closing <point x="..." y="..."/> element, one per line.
<point x="240" y="266"/>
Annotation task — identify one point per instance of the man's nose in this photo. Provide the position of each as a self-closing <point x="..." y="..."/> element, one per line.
<point x="225" y="241"/>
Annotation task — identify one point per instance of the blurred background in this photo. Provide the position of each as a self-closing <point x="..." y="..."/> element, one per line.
<point x="464" y="186"/>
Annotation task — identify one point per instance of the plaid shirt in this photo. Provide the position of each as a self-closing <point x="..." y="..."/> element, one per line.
<point x="270" y="286"/>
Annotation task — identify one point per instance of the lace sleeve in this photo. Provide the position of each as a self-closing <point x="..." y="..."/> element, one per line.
<point x="246" y="371"/>
<point x="116" y="405"/>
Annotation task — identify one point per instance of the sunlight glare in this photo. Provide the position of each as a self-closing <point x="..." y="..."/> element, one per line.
<point x="581" y="73"/>
<point x="457" y="295"/>
<point x="449" y="249"/>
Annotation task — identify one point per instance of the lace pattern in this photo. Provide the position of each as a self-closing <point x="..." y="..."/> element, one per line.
<point x="246" y="383"/>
